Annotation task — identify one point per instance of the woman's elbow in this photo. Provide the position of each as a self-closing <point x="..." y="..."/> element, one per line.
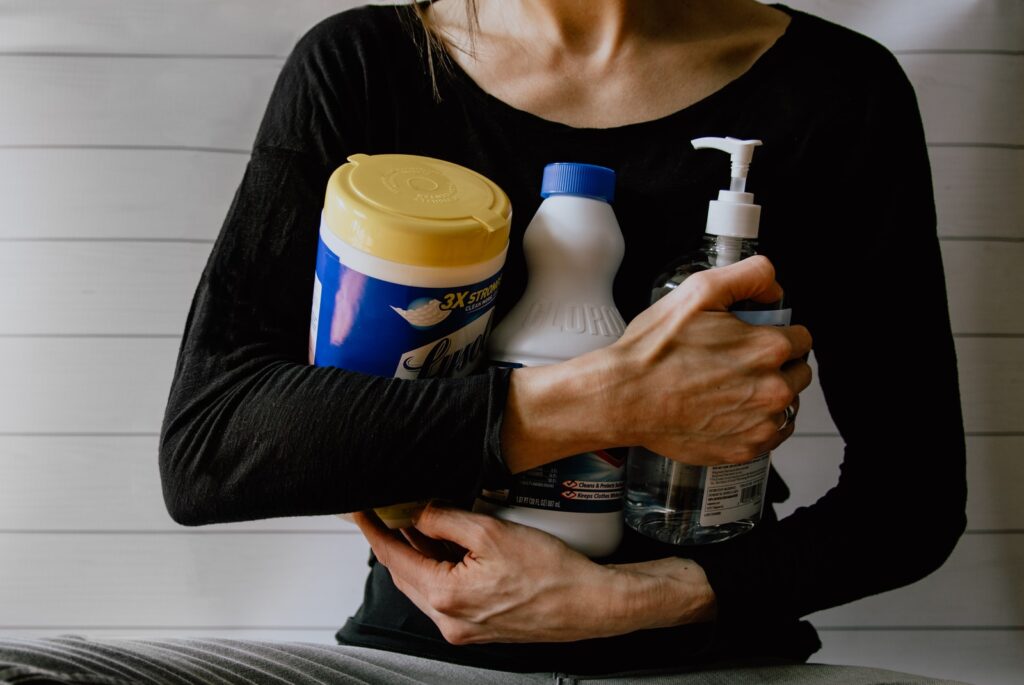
<point x="945" y="520"/>
<point x="947" y="539"/>
<point x="930" y="546"/>
<point x="188" y="496"/>
<point x="931" y="507"/>
<point x="183" y="512"/>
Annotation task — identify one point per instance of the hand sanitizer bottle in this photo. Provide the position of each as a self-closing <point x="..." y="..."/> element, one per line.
<point x="693" y="505"/>
<point x="573" y="249"/>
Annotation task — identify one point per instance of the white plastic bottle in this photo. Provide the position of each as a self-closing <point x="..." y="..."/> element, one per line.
<point x="695" y="505"/>
<point x="573" y="249"/>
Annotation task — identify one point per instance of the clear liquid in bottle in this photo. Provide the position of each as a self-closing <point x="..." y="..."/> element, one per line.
<point x="680" y="504"/>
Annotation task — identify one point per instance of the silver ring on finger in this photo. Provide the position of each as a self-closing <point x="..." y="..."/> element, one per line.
<point x="787" y="417"/>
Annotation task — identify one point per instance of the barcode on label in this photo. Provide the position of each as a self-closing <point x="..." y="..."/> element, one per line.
<point x="750" y="493"/>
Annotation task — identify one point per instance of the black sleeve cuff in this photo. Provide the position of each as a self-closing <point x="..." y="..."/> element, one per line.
<point x="494" y="472"/>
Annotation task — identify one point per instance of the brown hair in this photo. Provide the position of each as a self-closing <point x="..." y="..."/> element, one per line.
<point x="429" y="39"/>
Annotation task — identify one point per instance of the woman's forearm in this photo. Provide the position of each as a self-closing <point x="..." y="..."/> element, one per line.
<point x="518" y="584"/>
<point x="556" y="411"/>
<point x="687" y="380"/>
<point x="664" y="593"/>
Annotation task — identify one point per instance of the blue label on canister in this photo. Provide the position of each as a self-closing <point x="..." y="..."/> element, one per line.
<point x="383" y="328"/>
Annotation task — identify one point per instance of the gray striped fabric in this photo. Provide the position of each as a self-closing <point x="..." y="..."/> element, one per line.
<point x="72" y="659"/>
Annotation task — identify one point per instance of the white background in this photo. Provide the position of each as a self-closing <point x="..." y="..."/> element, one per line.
<point x="124" y="130"/>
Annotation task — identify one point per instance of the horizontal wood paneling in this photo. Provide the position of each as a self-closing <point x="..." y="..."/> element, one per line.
<point x="119" y="288"/>
<point x="985" y="286"/>
<point x="134" y="101"/>
<point x="101" y="484"/>
<point x="97" y="287"/>
<point x="53" y="383"/>
<point x="995" y="470"/>
<point x="978" y="586"/>
<point x="111" y="484"/>
<point x="245" y="27"/>
<point x="137" y="194"/>
<point x="123" y="193"/>
<point x="983" y="657"/>
<point x="194" y="580"/>
<point x="81" y="385"/>
<point x="992" y="384"/>
<point x="192" y="27"/>
<point x="219" y="103"/>
<point x="977" y="191"/>
<point x="316" y="580"/>
<point x="952" y="87"/>
<point x="946" y="24"/>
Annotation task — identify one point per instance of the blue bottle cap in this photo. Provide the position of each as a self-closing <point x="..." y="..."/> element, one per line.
<point x="584" y="180"/>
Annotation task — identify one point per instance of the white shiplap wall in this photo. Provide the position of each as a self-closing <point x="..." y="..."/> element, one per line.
<point x="105" y="105"/>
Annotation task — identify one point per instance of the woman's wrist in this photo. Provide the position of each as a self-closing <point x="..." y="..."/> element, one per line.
<point x="559" y="410"/>
<point x="660" y="594"/>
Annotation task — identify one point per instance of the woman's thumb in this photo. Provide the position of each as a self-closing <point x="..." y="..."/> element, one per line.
<point x="752" y="278"/>
<point x="464" y="528"/>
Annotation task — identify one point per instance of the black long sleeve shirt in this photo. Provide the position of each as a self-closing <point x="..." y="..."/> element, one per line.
<point x="252" y="431"/>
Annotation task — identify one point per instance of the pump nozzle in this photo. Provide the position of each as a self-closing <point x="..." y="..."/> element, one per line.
<point x="734" y="212"/>
<point x="740" y="152"/>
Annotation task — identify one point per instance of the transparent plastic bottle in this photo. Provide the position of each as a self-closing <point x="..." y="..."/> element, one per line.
<point x="678" y="503"/>
<point x="670" y="501"/>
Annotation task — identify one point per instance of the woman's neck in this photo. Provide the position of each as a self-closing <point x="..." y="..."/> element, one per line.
<point x="594" y="28"/>
<point x="602" y="63"/>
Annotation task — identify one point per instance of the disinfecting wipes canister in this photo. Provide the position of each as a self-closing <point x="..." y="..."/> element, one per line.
<point x="407" y="271"/>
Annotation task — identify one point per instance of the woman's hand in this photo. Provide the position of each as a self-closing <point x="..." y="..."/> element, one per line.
<point x="512" y="583"/>
<point x="687" y="380"/>
<point x="697" y="384"/>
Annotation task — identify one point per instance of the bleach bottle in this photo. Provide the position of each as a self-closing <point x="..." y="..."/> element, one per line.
<point x="693" y="505"/>
<point x="573" y="250"/>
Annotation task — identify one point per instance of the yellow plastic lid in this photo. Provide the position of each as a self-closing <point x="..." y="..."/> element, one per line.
<point x="417" y="210"/>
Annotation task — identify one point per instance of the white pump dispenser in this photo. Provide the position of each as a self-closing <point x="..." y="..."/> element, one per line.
<point x="734" y="212"/>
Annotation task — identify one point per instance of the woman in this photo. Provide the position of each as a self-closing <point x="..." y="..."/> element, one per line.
<point x="503" y="88"/>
